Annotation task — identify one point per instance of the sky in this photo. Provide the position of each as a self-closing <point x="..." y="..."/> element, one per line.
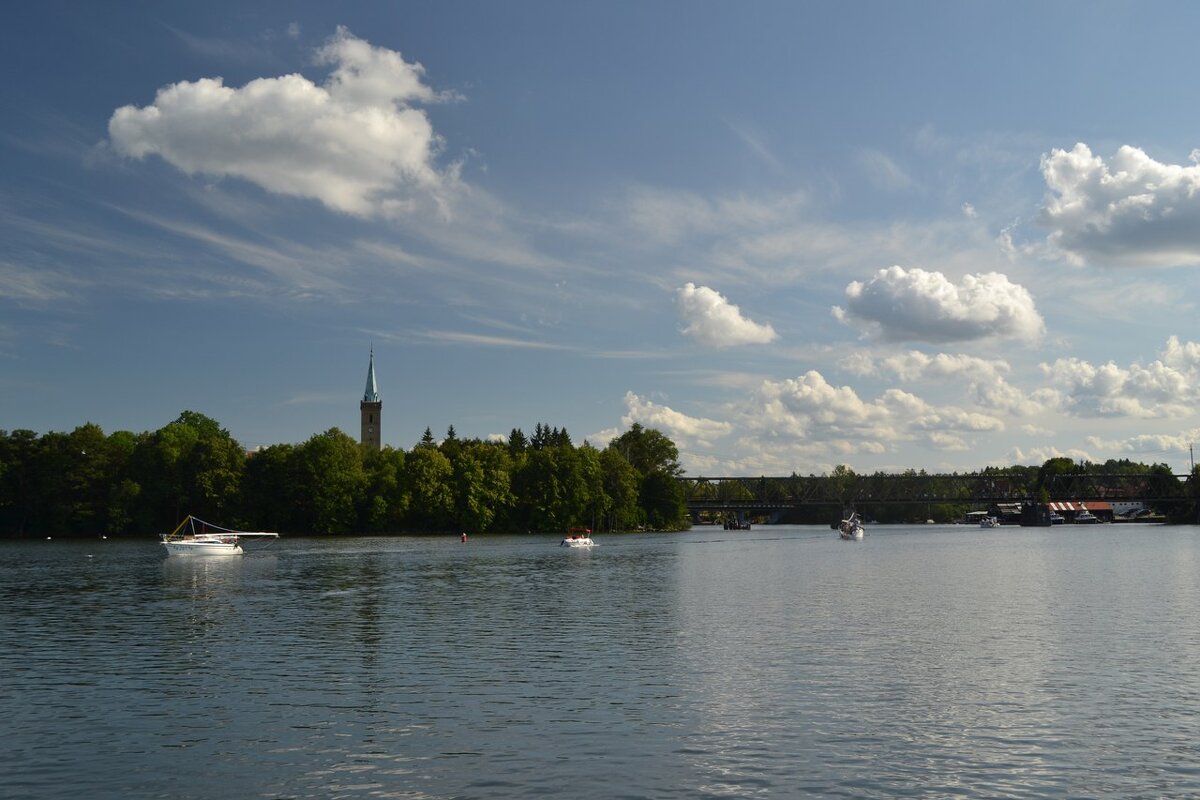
<point x="936" y="235"/>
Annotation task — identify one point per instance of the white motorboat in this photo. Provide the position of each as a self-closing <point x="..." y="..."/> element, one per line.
<point x="578" y="537"/>
<point x="989" y="522"/>
<point x="1086" y="517"/>
<point x="195" y="537"/>
<point x="852" y="528"/>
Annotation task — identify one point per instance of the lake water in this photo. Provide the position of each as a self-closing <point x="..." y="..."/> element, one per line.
<point x="931" y="661"/>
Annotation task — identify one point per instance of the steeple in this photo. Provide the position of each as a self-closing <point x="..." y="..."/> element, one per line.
<point x="371" y="395"/>
<point x="371" y="409"/>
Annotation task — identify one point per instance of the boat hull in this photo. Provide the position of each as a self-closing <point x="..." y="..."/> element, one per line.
<point x="577" y="542"/>
<point x="202" y="549"/>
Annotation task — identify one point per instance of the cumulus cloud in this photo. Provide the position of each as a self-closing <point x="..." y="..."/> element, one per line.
<point x="677" y="425"/>
<point x="1131" y="210"/>
<point x="810" y="410"/>
<point x="914" y="304"/>
<point x="1166" y="388"/>
<point x="354" y="143"/>
<point x="1153" y="444"/>
<point x="1183" y="356"/>
<point x="714" y="321"/>
<point x="998" y="394"/>
<point x="915" y="366"/>
<point x="1040" y="455"/>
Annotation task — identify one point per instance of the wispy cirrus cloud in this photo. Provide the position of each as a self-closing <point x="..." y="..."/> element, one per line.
<point x="485" y="340"/>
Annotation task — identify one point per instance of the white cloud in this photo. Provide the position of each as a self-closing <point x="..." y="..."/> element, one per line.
<point x="917" y="366"/>
<point x="809" y="411"/>
<point x="678" y="426"/>
<point x="908" y="305"/>
<point x="1184" y="356"/>
<point x="1040" y="455"/>
<point x="1150" y="444"/>
<point x="998" y="394"/>
<point x="1132" y="210"/>
<point x="712" y="320"/>
<point x="353" y="143"/>
<point x="1166" y="388"/>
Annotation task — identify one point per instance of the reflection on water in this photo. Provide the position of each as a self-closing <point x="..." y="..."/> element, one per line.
<point x="925" y="661"/>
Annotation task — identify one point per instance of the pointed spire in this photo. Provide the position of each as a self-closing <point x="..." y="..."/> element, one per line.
<point x="371" y="395"/>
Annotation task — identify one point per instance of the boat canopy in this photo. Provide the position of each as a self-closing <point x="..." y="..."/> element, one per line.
<point x="194" y="526"/>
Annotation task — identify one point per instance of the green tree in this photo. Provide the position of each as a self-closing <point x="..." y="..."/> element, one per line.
<point x="482" y="485"/>
<point x="596" y="502"/>
<point x="620" y="481"/>
<point x="552" y="490"/>
<point x="648" y="451"/>
<point x="427" y="482"/>
<point x="663" y="501"/>
<point x="190" y="466"/>
<point x="331" y="482"/>
<point x="270" y="490"/>
<point x="387" y="502"/>
<point x="517" y="442"/>
<point x="18" y="484"/>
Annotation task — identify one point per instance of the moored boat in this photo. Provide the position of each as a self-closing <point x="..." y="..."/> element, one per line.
<point x="195" y="537"/>
<point x="989" y="522"/>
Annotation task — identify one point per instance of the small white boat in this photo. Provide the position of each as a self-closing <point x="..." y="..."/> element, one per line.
<point x="989" y="522"/>
<point x="578" y="537"/>
<point x="852" y="528"/>
<point x="195" y="537"/>
<point x="1086" y="517"/>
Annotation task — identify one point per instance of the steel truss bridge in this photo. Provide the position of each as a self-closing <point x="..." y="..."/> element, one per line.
<point x="765" y="495"/>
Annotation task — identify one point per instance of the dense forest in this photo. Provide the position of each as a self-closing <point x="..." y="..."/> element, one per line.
<point x="87" y="482"/>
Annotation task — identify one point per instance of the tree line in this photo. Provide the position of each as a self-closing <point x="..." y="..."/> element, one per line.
<point x="914" y="496"/>
<point x="87" y="482"/>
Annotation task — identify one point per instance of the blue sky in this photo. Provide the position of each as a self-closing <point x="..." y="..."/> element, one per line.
<point x="789" y="235"/>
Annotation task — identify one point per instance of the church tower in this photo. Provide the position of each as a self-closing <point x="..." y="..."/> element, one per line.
<point x="371" y="409"/>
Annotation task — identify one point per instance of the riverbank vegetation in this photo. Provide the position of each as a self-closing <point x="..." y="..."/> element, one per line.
<point x="87" y="482"/>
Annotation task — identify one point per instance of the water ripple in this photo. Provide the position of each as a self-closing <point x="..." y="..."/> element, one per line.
<point x="927" y="662"/>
